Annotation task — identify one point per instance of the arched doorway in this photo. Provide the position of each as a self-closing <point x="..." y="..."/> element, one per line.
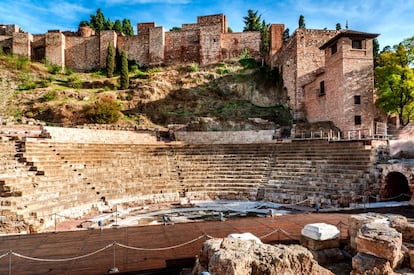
<point x="396" y="187"/>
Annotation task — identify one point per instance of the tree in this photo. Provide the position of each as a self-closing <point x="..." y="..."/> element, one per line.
<point x="229" y="30"/>
<point x="375" y="50"/>
<point x="338" y="26"/>
<point x="124" y="78"/>
<point x="109" y="25"/>
<point x="286" y="35"/>
<point x="117" y="26"/>
<point x="265" y="37"/>
<point x="127" y="27"/>
<point x="105" y="110"/>
<point x="110" y="61"/>
<point x="83" y="23"/>
<point x="394" y="80"/>
<point x="302" y="22"/>
<point x="252" y="21"/>
<point x="98" y="21"/>
<point x="175" y="29"/>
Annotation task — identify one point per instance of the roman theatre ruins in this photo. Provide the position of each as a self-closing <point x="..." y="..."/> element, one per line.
<point x="51" y="176"/>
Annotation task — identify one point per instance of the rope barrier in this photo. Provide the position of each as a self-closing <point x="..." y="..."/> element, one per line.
<point x="129" y="247"/>
<point x="4" y="255"/>
<point x="276" y="231"/>
<point x="161" y="248"/>
<point x="63" y="259"/>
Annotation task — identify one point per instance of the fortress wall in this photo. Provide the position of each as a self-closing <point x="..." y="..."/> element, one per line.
<point x="182" y="46"/>
<point x="55" y="48"/>
<point x="276" y="37"/>
<point x="210" y="44"/>
<point x="21" y="44"/>
<point x="99" y="136"/>
<point x="6" y="43"/>
<point x="136" y="47"/>
<point x="156" y="45"/>
<point x="225" y="137"/>
<point x="233" y="44"/>
<point x="82" y="54"/>
<point x="106" y="38"/>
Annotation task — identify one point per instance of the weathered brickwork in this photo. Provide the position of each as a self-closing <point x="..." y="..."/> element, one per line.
<point x="80" y="54"/>
<point x="348" y="81"/>
<point x="55" y="48"/>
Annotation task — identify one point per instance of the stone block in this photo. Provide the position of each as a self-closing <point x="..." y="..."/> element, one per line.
<point x="408" y="232"/>
<point x="381" y="241"/>
<point x="355" y="223"/>
<point x="320" y="231"/>
<point x="330" y="255"/>
<point x="368" y="264"/>
<point x="411" y="255"/>
<point x="318" y="244"/>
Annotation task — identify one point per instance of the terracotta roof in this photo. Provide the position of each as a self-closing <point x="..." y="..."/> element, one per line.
<point x="347" y="33"/>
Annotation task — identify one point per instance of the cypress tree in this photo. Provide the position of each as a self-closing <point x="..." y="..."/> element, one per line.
<point x="127" y="27"/>
<point x="110" y="61"/>
<point x="124" y="78"/>
<point x="302" y="22"/>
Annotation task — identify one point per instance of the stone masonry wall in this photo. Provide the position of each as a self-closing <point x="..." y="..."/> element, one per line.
<point x="225" y="137"/>
<point x="74" y="135"/>
<point x="182" y="46"/>
<point x="21" y="44"/>
<point x="156" y="45"/>
<point x="55" y="48"/>
<point x="298" y="61"/>
<point x="348" y="73"/>
<point x="233" y="44"/>
<point x="106" y="38"/>
<point x="136" y="47"/>
<point x="82" y="53"/>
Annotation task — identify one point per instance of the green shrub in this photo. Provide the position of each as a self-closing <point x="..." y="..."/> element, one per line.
<point x="68" y="71"/>
<point x="55" y="69"/>
<point x="105" y="110"/>
<point x="23" y="64"/>
<point x="49" y="96"/>
<point x="222" y="71"/>
<point x="43" y="83"/>
<point x="154" y="70"/>
<point x="29" y="85"/>
<point x="194" y="68"/>
<point x="74" y="82"/>
<point x="248" y="63"/>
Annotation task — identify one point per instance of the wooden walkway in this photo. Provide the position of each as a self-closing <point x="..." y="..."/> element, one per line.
<point x="64" y="245"/>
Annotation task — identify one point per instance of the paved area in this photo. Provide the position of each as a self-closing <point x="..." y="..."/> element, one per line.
<point x="140" y="247"/>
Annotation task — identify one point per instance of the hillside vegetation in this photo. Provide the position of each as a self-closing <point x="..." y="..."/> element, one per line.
<point x="223" y="96"/>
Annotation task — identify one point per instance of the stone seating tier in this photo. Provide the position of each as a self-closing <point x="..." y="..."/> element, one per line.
<point x="60" y="176"/>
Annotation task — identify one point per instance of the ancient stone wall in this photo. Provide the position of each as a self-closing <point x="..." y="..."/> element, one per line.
<point x="81" y="54"/>
<point x="21" y="44"/>
<point x="182" y="46"/>
<point x="75" y="135"/>
<point x="106" y="38"/>
<point x="228" y="137"/>
<point x="299" y="60"/>
<point x="233" y="44"/>
<point x="38" y="47"/>
<point x="136" y="47"/>
<point x="276" y="37"/>
<point x="156" y="46"/>
<point x="55" y="48"/>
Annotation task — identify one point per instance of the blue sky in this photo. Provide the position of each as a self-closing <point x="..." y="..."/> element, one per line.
<point x="393" y="19"/>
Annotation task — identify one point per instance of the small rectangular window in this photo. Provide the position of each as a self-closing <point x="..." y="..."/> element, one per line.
<point x="356" y="44"/>
<point x="334" y="49"/>
<point x="322" y="88"/>
<point x="357" y="99"/>
<point x="357" y="120"/>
